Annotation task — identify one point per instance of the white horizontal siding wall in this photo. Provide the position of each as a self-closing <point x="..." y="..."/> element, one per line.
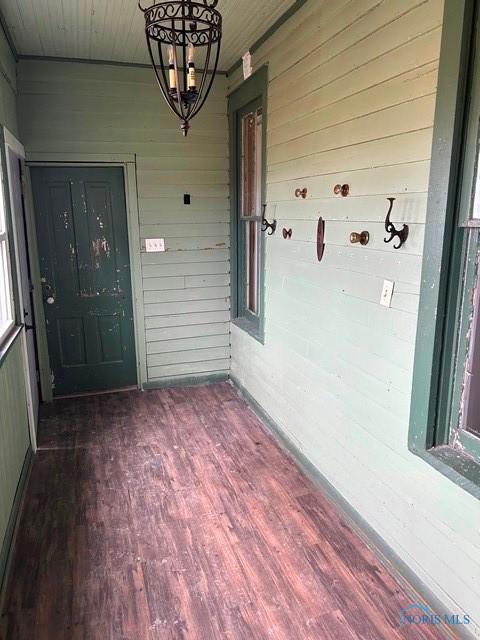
<point x="74" y="109"/>
<point x="351" y="99"/>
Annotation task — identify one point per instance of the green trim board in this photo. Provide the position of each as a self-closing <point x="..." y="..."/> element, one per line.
<point x="432" y="376"/>
<point x="471" y="444"/>
<point x="112" y="63"/>
<point x="133" y="222"/>
<point x="298" y="4"/>
<point x="253" y="89"/>
<point x="9" y="539"/>
<point x="457" y="467"/>
<point x="188" y="381"/>
<point x="386" y="555"/>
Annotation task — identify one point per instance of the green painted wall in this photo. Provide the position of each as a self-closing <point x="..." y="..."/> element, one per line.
<point x="352" y="87"/>
<point x="71" y="109"/>
<point x="14" y="436"/>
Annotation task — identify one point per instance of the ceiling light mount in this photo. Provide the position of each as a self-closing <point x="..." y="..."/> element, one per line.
<point x="180" y="34"/>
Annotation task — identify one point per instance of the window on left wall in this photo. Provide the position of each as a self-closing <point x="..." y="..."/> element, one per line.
<point x="6" y="289"/>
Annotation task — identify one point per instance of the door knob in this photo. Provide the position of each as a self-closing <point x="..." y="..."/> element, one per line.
<point x="363" y="238"/>
<point x="50" y="300"/>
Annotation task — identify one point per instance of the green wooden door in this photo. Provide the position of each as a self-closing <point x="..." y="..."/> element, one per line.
<point x="85" y="269"/>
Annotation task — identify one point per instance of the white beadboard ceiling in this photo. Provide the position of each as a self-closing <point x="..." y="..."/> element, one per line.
<point x="114" y="29"/>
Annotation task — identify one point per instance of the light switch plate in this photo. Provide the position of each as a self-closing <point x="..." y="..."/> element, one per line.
<point x="154" y="245"/>
<point x="387" y="293"/>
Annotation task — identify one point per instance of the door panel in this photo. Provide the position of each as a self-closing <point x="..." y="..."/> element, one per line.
<point x="71" y="340"/>
<point x="85" y="269"/>
<point x="109" y="332"/>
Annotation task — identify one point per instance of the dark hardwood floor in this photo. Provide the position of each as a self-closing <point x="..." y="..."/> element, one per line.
<point x="173" y="514"/>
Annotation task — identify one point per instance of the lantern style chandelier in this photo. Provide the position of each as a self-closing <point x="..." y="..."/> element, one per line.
<point x="181" y="36"/>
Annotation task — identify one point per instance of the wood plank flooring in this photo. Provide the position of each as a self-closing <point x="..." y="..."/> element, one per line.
<point x="174" y="515"/>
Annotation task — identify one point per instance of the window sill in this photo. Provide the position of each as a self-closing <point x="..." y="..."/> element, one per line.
<point x="251" y="328"/>
<point x="8" y="342"/>
<point x="456" y="465"/>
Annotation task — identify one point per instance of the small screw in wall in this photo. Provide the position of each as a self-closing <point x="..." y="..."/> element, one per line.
<point x="287" y="233"/>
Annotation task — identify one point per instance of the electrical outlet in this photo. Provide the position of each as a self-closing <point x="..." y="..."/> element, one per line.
<point x="387" y="293"/>
<point x="154" y="245"/>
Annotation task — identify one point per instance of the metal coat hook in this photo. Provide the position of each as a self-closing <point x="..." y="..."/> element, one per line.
<point x="271" y="226"/>
<point x="401" y="234"/>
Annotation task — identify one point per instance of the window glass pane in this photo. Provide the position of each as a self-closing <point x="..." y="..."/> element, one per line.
<point x="251" y="203"/>
<point x="250" y="163"/>
<point x="476" y="191"/>
<point x="248" y="166"/>
<point x="5" y="299"/>
<point x="6" y="306"/>
<point x="471" y="390"/>
<point x="251" y="255"/>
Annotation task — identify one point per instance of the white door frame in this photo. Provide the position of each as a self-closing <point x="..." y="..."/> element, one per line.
<point x="11" y="143"/>
<point x="129" y="165"/>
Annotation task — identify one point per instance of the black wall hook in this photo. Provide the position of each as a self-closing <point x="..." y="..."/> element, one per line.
<point x="401" y="234"/>
<point x="272" y="226"/>
<point x="320" y="239"/>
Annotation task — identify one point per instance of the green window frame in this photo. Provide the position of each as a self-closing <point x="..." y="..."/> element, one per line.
<point x="9" y="298"/>
<point x="7" y="303"/>
<point x="250" y="97"/>
<point x="451" y="249"/>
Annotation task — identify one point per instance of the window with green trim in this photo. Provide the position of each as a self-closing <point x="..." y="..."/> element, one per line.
<point x="459" y="411"/>
<point x="247" y="112"/>
<point x="445" y="408"/>
<point x="250" y="212"/>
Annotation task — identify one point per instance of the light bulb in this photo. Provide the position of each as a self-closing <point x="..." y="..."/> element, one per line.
<point x="192" y="76"/>
<point x="172" y="76"/>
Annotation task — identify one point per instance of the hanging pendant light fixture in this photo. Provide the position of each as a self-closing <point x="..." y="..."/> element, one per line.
<point x="181" y="36"/>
